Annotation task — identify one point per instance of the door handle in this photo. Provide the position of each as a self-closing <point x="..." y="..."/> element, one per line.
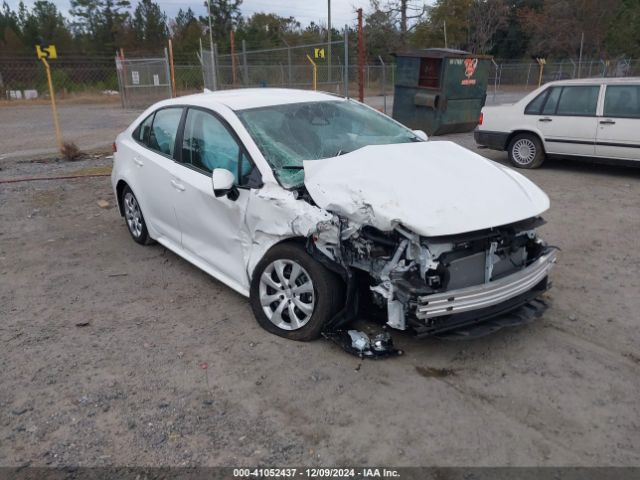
<point x="177" y="186"/>
<point x="545" y="119"/>
<point x="137" y="161"/>
<point x="607" y="122"/>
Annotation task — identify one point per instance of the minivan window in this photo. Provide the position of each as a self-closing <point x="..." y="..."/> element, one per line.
<point x="578" y="100"/>
<point x="622" y="101"/>
<point x="163" y="133"/>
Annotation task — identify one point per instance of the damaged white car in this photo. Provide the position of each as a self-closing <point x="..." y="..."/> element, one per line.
<point x="316" y="207"/>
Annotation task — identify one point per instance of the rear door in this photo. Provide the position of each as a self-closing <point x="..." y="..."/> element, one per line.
<point x="153" y="155"/>
<point x="568" y="119"/>
<point x="619" y="126"/>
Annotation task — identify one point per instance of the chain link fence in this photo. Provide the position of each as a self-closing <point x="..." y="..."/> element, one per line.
<point x="143" y="81"/>
<point x="516" y="77"/>
<point x="137" y="83"/>
<point x="25" y="77"/>
<point x="291" y="67"/>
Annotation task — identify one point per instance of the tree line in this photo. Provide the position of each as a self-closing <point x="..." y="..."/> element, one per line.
<point x="507" y="29"/>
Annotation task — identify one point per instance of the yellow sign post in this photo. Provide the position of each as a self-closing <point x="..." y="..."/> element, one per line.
<point x="315" y="73"/>
<point x="542" y="62"/>
<point x="44" y="54"/>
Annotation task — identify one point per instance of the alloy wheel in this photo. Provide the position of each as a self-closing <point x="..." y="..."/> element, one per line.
<point x="524" y="151"/>
<point x="133" y="214"/>
<point x="286" y="294"/>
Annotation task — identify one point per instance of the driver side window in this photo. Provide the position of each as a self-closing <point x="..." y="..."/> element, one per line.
<point x="207" y="144"/>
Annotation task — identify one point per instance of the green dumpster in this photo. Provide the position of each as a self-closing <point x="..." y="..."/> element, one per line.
<point x="440" y="90"/>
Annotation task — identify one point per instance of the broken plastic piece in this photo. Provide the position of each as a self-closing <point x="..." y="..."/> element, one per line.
<point x="358" y="343"/>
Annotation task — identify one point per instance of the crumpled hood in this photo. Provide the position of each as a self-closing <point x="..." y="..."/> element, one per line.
<point x="433" y="188"/>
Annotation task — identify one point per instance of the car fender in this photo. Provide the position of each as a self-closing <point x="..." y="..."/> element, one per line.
<point x="274" y="215"/>
<point x="527" y="128"/>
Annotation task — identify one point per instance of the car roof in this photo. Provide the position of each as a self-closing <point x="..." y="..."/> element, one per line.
<point x="245" y="98"/>
<point x="598" y="80"/>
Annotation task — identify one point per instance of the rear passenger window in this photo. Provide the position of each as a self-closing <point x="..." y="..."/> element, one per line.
<point x="535" y="105"/>
<point x="578" y="101"/>
<point x="141" y="133"/>
<point x="162" y="137"/>
<point x="622" y="101"/>
<point x="552" y="101"/>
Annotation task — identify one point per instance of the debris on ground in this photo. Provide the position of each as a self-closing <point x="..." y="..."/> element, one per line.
<point x="82" y="324"/>
<point x="70" y="151"/>
<point x="360" y="344"/>
<point x="430" y="372"/>
<point x="103" y="203"/>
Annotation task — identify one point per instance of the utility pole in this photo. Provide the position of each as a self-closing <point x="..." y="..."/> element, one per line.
<point x="213" y="66"/>
<point x="360" y="58"/>
<point x="445" y="34"/>
<point x="329" y="41"/>
<point x="233" y="58"/>
<point x="580" y="59"/>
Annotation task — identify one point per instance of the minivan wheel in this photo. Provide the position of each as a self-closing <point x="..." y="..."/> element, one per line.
<point x="525" y="151"/>
<point x="134" y="218"/>
<point x="292" y="295"/>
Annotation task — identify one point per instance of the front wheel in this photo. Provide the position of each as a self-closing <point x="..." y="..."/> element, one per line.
<point x="292" y="295"/>
<point x="525" y="151"/>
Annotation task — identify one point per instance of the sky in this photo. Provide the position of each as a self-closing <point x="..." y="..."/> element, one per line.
<point x="305" y="11"/>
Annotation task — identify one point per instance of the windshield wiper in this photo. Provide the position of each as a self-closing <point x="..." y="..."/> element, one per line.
<point x="292" y="167"/>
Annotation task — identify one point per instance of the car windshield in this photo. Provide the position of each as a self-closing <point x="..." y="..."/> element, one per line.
<point x="289" y="134"/>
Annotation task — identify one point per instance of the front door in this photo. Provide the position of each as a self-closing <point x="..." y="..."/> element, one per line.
<point x="619" y="127"/>
<point x="213" y="229"/>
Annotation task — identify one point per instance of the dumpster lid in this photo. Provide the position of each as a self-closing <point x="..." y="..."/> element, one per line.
<point x="439" y="53"/>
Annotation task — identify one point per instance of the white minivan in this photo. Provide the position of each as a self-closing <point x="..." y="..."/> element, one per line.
<point x="590" y="118"/>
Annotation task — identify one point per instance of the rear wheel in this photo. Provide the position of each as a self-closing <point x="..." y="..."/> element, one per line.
<point x="525" y="151"/>
<point x="293" y="295"/>
<point x="135" y="220"/>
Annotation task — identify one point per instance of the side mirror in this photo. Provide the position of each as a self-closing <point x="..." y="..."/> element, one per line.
<point x="222" y="181"/>
<point x="421" y="135"/>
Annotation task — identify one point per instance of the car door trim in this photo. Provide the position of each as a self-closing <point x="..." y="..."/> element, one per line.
<point x="582" y="142"/>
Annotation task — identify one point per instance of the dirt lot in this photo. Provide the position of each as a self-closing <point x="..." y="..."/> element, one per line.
<point x="170" y="368"/>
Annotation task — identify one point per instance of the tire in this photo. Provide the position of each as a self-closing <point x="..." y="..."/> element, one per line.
<point x="526" y="151"/>
<point x="299" y="312"/>
<point x="133" y="217"/>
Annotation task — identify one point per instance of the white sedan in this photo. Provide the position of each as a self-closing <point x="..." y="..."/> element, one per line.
<point x="314" y="205"/>
<point x="593" y="118"/>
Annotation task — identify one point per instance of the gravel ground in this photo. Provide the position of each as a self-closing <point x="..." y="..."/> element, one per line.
<point x="118" y="354"/>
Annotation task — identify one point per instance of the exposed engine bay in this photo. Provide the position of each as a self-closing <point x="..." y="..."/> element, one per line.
<point x="423" y="283"/>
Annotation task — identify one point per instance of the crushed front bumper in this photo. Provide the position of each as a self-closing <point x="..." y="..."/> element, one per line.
<point x="486" y="295"/>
